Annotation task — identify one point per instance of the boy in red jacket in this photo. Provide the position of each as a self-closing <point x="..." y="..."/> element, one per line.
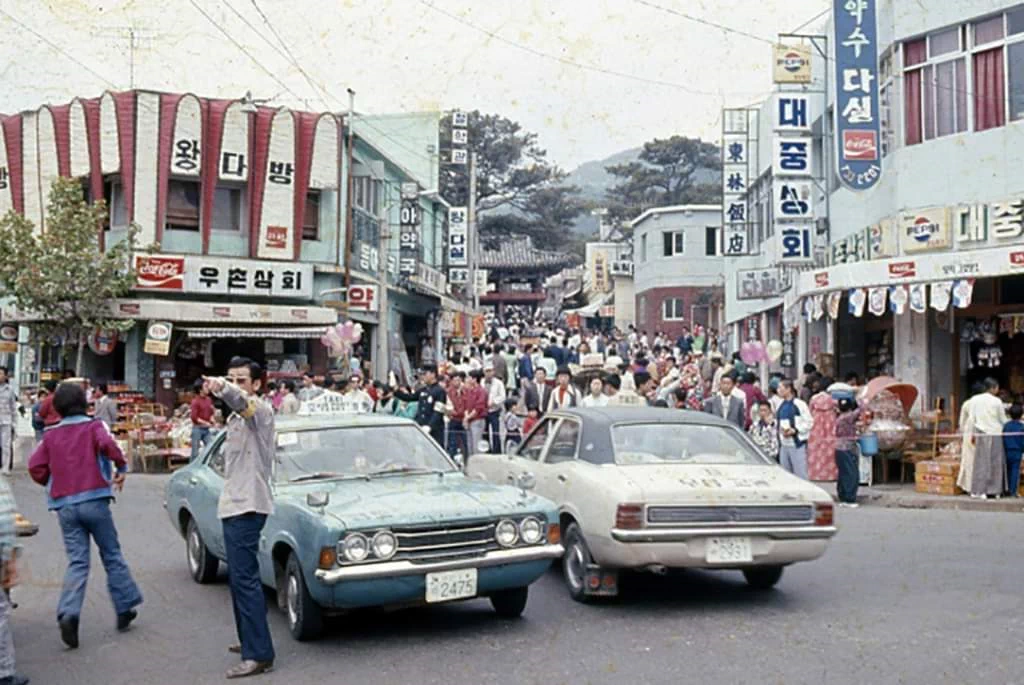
<point x="74" y="462"/>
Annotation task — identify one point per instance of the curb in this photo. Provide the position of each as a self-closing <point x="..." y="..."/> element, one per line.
<point x="958" y="503"/>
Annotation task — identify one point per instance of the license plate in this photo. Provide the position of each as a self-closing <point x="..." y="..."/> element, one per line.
<point x="728" y="551"/>
<point x="447" y="586"/>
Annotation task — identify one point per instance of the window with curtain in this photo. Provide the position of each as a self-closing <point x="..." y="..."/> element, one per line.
<point x="935" y="94"/>
<point x="183" y="205"/>
<point x="311" y="217"/>
<point x="989" y="97"/>
<point x="227" y="209"/>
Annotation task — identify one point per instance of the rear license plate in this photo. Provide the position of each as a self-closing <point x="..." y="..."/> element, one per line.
<point x="447" y="586"/>
<point x="728" y="551"/>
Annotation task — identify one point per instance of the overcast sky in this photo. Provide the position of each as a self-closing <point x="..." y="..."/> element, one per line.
<point x="404" y="55"/>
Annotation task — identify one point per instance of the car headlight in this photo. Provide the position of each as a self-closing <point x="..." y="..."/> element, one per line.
<point x="531" y="530"/>
<point x="506" y="533"/>
<point x="384" y="545"/>
<point x="356" y="547"/>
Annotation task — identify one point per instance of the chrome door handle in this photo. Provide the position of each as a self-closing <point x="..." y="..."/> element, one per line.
<point x="193" y="481"/>
<point x="562" y="478"/>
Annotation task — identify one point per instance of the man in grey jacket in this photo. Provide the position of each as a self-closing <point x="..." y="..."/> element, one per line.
<point x="105" y="406"/>
<point x="245" y="503"/>
<point x="8" y="419"/>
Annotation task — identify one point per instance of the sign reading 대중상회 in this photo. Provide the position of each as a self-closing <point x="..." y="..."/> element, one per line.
<point x="858" y="128"/>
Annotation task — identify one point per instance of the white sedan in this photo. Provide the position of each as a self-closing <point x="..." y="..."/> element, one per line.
<point x="656" y="489"/>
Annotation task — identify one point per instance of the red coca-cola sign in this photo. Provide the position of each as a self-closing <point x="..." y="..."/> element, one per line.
<point x="821" y="279"/>
<point x="1017" y="259"/>
<point x="902" y="269"/>
<point x="860" y="145"/>
<point x="277" y="237"/>
<point x="159" y="273"/>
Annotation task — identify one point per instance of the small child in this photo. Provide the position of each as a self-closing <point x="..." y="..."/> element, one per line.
<point x="532" y="416"/>
<point x="1013" y="445"/>
<point x="513" y="424"/>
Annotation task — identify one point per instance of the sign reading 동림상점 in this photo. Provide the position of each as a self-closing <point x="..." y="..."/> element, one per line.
<point x="158" y="338"/>
<point x="791" y="64"/>
<point x="220" y="276"/>
<point x="858" y="126"/>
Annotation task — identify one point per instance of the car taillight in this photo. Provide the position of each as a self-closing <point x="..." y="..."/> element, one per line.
<point x="629" y="516"/>
<point x="824" y="514"/>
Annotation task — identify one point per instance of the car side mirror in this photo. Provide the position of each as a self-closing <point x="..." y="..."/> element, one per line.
<point x="318" y="499"/>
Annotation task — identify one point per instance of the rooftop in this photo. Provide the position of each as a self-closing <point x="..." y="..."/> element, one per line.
<point x="674" y="209"/>
<point x="518" y="252"/>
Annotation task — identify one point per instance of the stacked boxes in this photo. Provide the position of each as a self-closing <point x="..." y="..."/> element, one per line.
<point x="937" y="477"/>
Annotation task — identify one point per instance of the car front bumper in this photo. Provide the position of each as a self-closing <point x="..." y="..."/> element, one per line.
<point x="686" y="547"/>
<point x="395" y="569"/>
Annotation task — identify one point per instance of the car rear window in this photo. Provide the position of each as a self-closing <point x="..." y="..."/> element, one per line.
<point x="681" y="443"/>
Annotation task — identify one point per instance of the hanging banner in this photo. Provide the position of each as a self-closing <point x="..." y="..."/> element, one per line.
<point x="857" y="299"/>
<point x="819" y="306"/>
<point x="876" y="300"/>
<point x="940" y="293"/>
<point x="858" y="129"/>
<point x="158" y="338"/>
<point x="963" y="291"/>
<point x="898" y="299"/>
<point x="918" y="298"/>
<point x="835" y="299"/>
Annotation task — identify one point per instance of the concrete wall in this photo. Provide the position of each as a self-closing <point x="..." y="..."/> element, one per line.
<point x="649" y="308"/>
<point x="625" y="302"/>
<point x="693" y="268"/>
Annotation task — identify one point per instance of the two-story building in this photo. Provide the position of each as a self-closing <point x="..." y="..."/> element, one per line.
<point x="243" y="218"/>
<point x="678" y="271"/>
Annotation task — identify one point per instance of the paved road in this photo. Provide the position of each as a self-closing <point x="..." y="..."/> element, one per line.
<point x="902" y="597"/>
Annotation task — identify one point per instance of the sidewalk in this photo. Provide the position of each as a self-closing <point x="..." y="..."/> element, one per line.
<point x="902" y="496"/>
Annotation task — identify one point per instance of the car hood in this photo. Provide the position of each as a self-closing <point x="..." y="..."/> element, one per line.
<point x="413" y="500"/>
<point x="681" y="483"/>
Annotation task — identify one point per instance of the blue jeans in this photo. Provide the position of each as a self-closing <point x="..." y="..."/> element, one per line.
<point x="457" y="439"/>
<point x="848" y="463"/>
<point x="1013" y="460"/>
<point x="79" y="522"/>
<point x="200" y="434"/>
<point x="241" y="543"/>
<point x="494" y="431"/>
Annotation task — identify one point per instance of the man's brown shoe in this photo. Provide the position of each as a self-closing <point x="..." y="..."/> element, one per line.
<point x="248" y="668"/>
<point x="235" y="649"/>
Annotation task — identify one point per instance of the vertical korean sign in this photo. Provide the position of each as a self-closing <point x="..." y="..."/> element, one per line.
<point x="409" y="234"/>
<point x="736" y="164"/>
<point x="793" y="170"/>
<point x="858" y="128"/>
<point x="458" y="245"/>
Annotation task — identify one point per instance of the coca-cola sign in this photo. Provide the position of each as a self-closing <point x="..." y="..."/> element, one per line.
<point x="1017" y="259"/>
<point x="159" y="273"/>
<point x="902" y="270"/>
<point x="861" y="145"/>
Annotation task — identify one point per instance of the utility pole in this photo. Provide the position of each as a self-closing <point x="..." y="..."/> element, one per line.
<point x="349" y="193"/>
<point x="474" y="240"/>
<point x="133" y="37"/>
<point x="383" y="316"/>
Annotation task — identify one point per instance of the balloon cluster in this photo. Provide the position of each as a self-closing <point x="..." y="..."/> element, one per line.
<point x="752" y="352"/>
<point x="340" y="339"/>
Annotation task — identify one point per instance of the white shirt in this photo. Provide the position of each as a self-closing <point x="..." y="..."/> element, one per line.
<point x="988" y="413"/>
<point x="591" y="401"/>
<point x="495" y="394"/>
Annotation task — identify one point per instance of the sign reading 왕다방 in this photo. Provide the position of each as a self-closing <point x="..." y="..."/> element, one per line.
<point x="858" y="130"/>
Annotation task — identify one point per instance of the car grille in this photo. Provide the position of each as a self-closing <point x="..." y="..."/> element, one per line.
<point x="696" y="515"/>
<point x="460" y="541"/>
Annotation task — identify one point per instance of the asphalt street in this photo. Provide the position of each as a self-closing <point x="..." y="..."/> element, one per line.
<point x="901" y="597"/>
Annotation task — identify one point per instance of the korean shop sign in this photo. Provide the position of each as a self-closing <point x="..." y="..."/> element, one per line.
<point x="217" y="276"/>
<point x="858" y="130"/>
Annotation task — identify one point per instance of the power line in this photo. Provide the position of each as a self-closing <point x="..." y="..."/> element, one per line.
<point x="59" y="49"/>
<point x="817" y="16"/>
<point x="705" y="22"/>
<point x="565" y="60"/>
<point x="291" y="56"/>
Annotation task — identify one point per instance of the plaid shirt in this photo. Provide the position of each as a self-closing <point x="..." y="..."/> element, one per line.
<point x="8" y="531"/>
<point x="765" y="436"/>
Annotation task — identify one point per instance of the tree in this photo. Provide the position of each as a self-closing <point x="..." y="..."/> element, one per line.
<point x="61" y="275"/>
<point x="668" y="172"/>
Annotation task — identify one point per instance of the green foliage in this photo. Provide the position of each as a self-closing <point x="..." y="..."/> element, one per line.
<point x="666" y="174"/>
<point x="61" y="274"/>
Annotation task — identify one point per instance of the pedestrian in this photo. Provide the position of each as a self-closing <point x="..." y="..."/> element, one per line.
<point x="966" y="425"/>
<point x="430" y="402"/>
<point x="725" y="404"/>
<point x="37" y="421"/>
<point x="245" y="502"/>
<point x="75" y="462"/>
<point x="310" y="390"/>
<point x="532" y="417"/>
<point x="1013" y="445"/>
<point x="752" y="395"/>
<point x="201" y="413"/>
<point x="989" y="416"/>
<point x="512" y="424"/>
<point x="563" y="394"/>
<point x="538" y="391"/>
<point x="274" y="395"/>
<point x="9" y="552"/>
<point x="476" y="411"/>
<point x="104" y="406"/>
<point x="457" y="416"/>
<point x="8" y="420"/>
<point x="289" y="401"/>
<point x="596" y="398"/>
<point x="795" y="423"/>
<point x="496" y="396"/>
<point x="847" y="428"/>
<point x="764" y="431"/>
<point x="821" y="446"/>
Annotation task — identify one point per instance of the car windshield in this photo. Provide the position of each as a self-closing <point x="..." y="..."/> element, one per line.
<point x="357" y="451"/>
<point x="681" y="443"/>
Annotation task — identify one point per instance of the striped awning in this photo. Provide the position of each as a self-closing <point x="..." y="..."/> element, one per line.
<point x="274" y="332"/>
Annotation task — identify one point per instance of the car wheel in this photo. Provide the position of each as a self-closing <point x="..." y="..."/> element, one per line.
<point x="763" y="577"/>
<point x="201" y="562"/>
<point x="510" y="603"/>
<point x="305" y="618"/>
<point x="575" y="562"/>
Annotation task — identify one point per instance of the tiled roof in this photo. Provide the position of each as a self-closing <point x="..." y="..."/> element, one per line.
<point x="518" y="252"/>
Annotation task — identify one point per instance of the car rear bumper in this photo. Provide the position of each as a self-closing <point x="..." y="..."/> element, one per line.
<point x="395" y="569"/>
<point x="687" y="548"/>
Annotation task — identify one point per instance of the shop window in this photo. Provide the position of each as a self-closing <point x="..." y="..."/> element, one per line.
<point x="113" y="193"/>
<point x="227" y="209"/>
<point x="674" y="243"/>
<point x="988" y="30"/>
<point x="1015" y="21"/>
<point x="311" y="217"/>
<point x="944" y="42"/>
<point x="183" y="205"/>
<point x="710" y="241"/>
<point x="643" y="248"/>
<point x="672" y="309"/>
<point x="1015" y="63"/>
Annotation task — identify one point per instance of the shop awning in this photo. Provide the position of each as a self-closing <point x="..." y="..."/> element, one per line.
<point x="276" y="332"/>
<point x="592" y="308"/>
<point x="227" y="313"/>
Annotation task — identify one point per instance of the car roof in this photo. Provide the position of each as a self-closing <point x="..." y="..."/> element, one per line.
<point x="631" y="414"/>
<point x="315" y="421"/>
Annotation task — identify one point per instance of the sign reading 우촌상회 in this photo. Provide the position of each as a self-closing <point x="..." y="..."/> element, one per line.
<point x="858" y="127"/>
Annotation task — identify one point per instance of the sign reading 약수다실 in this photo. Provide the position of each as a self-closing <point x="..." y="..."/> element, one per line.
<point x="858" y="130"/>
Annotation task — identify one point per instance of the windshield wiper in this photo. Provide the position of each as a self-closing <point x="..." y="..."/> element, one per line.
<point x="316" y="476"/>
<point x="403" y="469"/>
